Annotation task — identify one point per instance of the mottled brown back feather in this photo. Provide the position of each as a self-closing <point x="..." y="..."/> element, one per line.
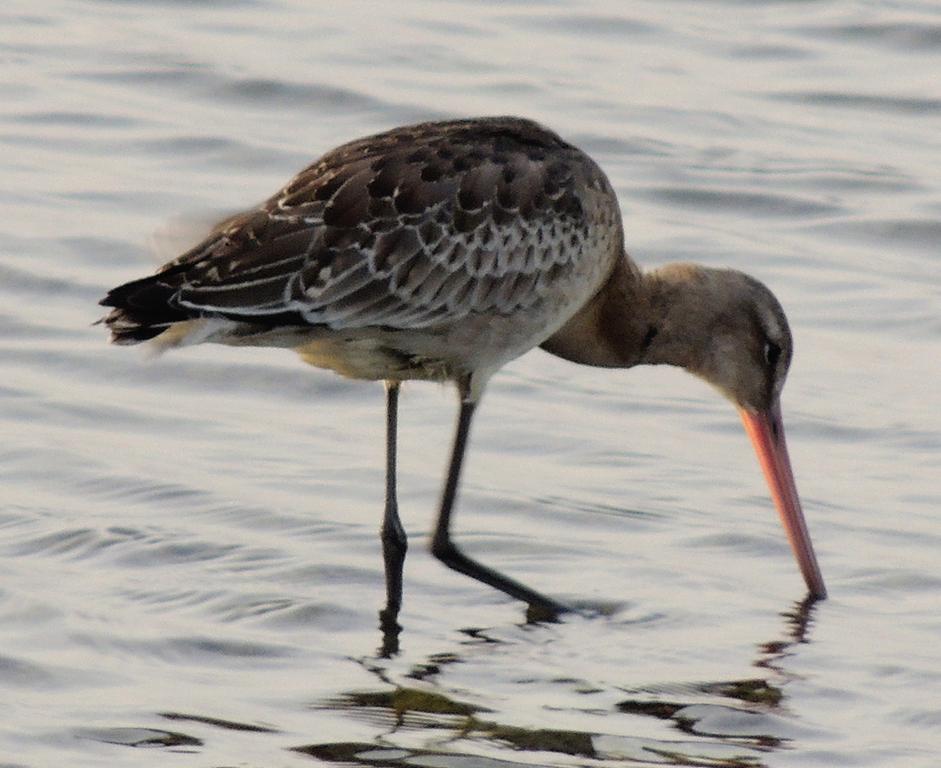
<point x="403" y="229"/>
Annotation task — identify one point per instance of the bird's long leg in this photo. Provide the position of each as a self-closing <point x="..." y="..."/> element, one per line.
<point x="541" y="607"/>
<point x="394" y="540"/>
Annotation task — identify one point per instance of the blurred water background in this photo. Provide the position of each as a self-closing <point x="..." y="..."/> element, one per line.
<point x="190" y="571"/>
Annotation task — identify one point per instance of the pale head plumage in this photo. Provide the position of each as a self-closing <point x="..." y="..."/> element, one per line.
<point x="723" y="326"/>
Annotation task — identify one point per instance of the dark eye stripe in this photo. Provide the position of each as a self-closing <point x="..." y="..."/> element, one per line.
<point x="772" y="354"/>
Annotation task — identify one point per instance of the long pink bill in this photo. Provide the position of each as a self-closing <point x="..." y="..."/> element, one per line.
<point x="766" y="430"/>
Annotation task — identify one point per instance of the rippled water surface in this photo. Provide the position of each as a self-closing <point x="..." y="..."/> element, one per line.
<point x="189" y="565"/>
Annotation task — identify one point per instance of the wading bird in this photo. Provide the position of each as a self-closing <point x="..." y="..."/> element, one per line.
<point x="441" y="251"/>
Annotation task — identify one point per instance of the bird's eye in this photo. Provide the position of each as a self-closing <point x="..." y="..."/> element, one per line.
<point x="772" y="354"/>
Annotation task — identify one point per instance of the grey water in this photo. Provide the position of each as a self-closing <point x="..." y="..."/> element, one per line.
<point x="190" y="571"/>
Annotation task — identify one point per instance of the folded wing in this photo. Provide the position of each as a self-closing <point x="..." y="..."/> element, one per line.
<point x="402" y="230"/>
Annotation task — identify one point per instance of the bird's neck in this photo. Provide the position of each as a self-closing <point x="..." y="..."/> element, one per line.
<point x="636" y="318"/>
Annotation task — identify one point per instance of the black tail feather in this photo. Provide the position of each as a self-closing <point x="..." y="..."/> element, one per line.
<point x="143" y="309"/>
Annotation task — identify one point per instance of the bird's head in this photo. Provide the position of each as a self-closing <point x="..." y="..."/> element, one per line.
<point x="730" y="330"/>
<point x="725" y="327"/>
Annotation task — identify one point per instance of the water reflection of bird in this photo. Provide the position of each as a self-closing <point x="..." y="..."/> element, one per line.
<point x="443" y="250"/>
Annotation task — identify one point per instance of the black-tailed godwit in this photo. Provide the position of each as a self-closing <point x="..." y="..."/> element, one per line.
<point x="443" y="250"/>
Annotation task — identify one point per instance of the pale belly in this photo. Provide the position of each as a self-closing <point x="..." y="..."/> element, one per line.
<point x="476" y="343"/>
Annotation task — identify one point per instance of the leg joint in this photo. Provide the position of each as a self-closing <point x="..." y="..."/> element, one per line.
<point x="442" y="548"/>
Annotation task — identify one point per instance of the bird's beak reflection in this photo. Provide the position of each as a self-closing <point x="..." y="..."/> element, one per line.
<point x="766" y="430"/>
